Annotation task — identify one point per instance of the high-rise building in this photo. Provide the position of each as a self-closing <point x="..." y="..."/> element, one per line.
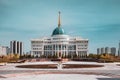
<point x="98" y="51"/>
<point x="16" y="47"/>
<point x="113" y="51"/>
<point x="4" y="50"/>
<point x="107" y="50"/>
<point x="119" y="49"/>
<point x="59" y="44"/>
<point x="102" y="50"/>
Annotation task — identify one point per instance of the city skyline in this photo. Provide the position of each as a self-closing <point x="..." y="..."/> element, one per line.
<point x="98" y="21"/>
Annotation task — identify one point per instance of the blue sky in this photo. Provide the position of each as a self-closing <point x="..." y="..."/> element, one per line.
<point x="96" y="20"/>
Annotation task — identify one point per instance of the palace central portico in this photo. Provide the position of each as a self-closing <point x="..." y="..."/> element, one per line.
<point x="59" y="45"/>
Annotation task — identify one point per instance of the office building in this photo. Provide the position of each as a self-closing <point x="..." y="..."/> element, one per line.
<point x="119" y="49"/>
<point x="4" y="50"/>
<point x="98" y="51"/>
<point x="16" y="47"/>
<point x="107" y="50"/>
<point x="113" y="51"/>
<point x="102" y="50"/>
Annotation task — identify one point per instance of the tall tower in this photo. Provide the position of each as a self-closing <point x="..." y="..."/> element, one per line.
<point x="107" y="50"/>
<point x="113" y="51"/>
<point x="16" y="47"/>
<point x="102" y="50"/>
<point x="98" y="51"/>
<point x="119" y="49"/>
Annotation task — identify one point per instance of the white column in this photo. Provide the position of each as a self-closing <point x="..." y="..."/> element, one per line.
<point x="66" y="49"/>
<point x="43" y="48"/>
<point x="76" y="50"/>
<point x="55" y="49"/>
<point x="52" y="49"/>
<point x="58" y="51"/>
<point x="61" y="51"/>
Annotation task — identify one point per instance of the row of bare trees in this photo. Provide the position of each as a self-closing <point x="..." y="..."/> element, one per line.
<point x="105" y="57"/>
<point x="9" y="58"/>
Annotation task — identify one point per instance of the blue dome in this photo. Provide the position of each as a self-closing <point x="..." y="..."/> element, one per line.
<point x="58" y="31"/>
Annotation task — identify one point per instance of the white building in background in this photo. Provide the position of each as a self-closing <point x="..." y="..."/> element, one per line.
<point x="119" y="50"/>
<point x="113" y="51"/>
<point x="102" y="50"/>
<point x="59" y="44"/>
<point x="107" y="50"/>
<point x="16" y="47"/>
<point x="98" y="51"/>
<point x="4" y="50"/>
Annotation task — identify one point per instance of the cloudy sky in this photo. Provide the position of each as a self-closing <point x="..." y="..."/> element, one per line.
<point x="96" y="20"/>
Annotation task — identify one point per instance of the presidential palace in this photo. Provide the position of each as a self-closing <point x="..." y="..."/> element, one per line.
<point x="60" y="45"/>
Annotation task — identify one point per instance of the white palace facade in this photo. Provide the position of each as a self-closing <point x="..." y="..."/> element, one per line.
<point x="60" y="45"/>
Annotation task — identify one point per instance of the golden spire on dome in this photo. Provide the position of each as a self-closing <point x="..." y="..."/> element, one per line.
<point x="59" y="22"/>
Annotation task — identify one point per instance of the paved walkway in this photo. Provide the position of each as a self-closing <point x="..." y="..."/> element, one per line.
<point x="59" y="77"/>
<point x="110" y="70"/>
